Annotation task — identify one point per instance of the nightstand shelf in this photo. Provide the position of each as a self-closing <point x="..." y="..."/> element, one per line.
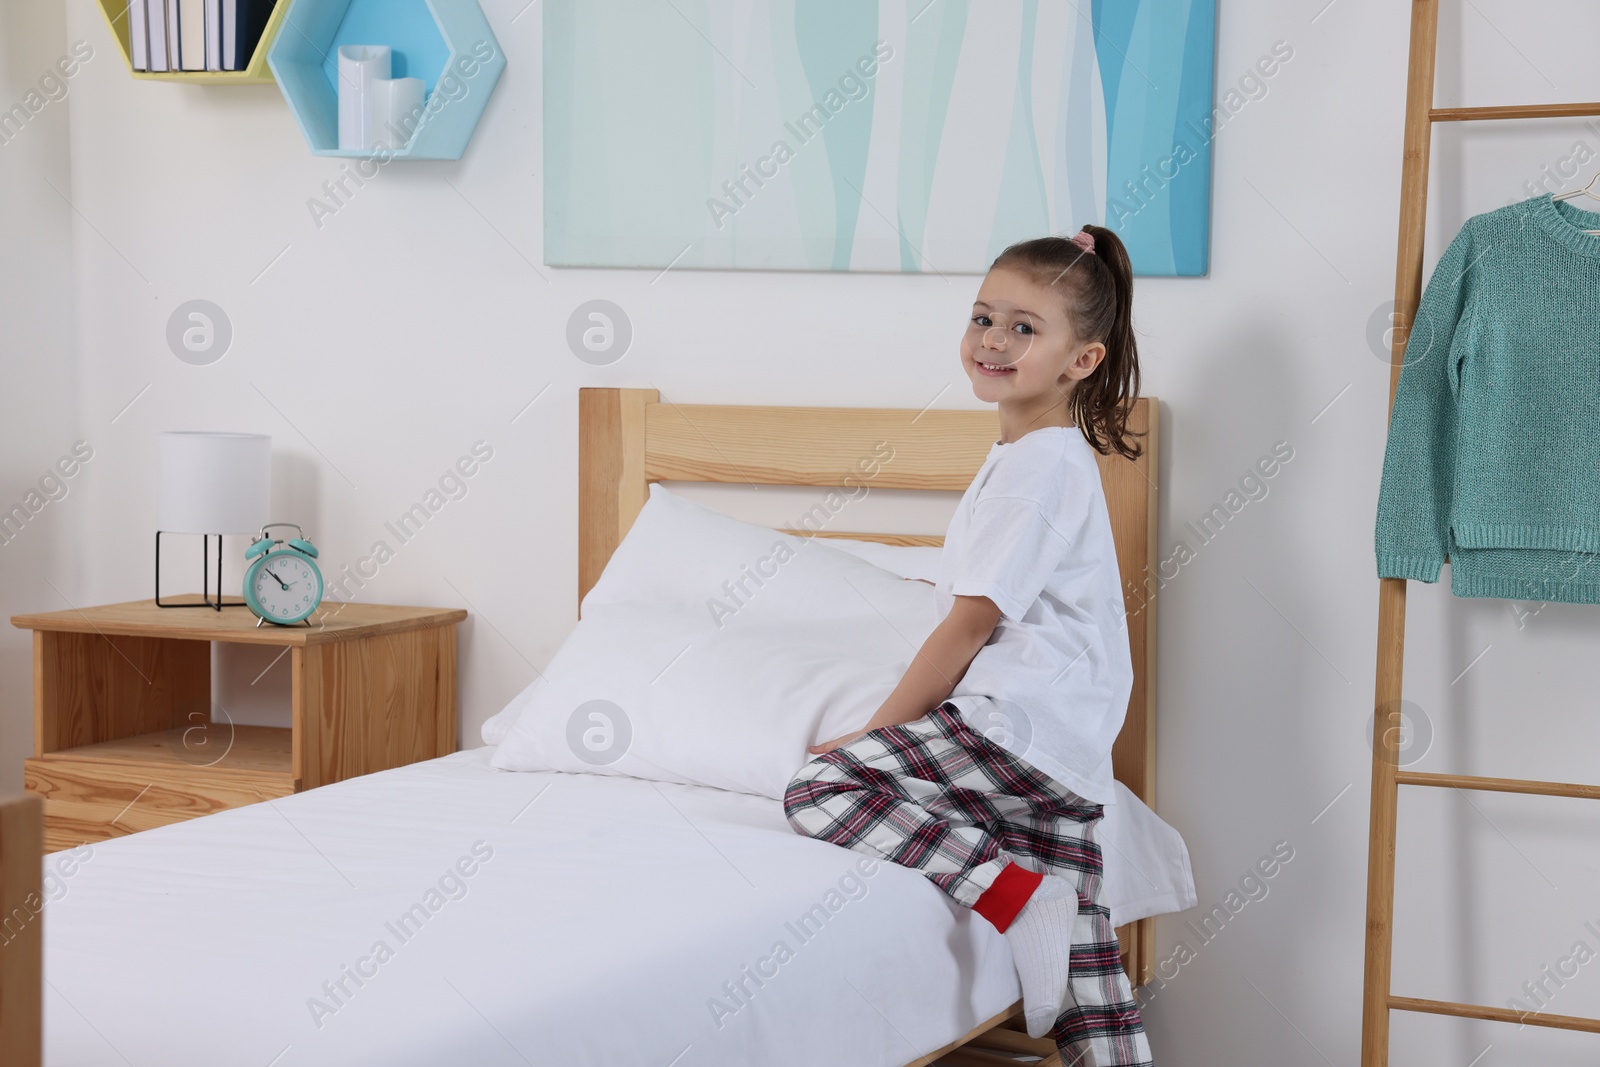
<point x="252" y="749"/>
<point x="123" y="732"/>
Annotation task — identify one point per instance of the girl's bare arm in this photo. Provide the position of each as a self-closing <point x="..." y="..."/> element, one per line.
<point x="936" y="668"/>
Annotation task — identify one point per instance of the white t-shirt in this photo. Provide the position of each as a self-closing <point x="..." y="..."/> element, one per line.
<point x="1032" y="534"/>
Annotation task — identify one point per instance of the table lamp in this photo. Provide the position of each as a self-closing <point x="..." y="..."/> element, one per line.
<point x="211" y="484"/>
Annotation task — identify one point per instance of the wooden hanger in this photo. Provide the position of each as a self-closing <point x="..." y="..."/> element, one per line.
<point x="1587" y="190"/>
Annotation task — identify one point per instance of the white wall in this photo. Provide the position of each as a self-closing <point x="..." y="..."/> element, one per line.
<point x="378" y="348"/>
<point x="39" y="563"/>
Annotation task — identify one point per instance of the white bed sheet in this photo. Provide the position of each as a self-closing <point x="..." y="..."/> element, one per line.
<point x="612" y="917"/>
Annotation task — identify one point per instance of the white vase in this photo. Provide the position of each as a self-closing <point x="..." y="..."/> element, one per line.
<point x="359" y="66"/>
<point x="396" y="111"/>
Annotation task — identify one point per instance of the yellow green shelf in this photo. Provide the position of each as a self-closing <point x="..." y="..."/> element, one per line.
<point x="257" y="73"/>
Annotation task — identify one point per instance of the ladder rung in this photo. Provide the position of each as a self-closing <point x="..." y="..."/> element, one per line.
<point x="1498" y="785"/>
<point x="1513" y="111"/>
<point x="1499" y="1015"/>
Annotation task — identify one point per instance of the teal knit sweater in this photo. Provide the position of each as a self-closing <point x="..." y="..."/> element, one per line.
<point x="1493" y="456"/>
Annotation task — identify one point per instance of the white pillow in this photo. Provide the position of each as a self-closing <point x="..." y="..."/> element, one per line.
<point x="919" y="562"/>
<point x="712" y="652"/>
<point x="908" y="561"/>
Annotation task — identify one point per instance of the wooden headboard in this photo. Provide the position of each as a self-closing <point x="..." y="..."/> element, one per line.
<point x="627" y="438"/>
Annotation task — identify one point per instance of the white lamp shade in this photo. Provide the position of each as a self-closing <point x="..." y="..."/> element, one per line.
<point x="214" y="483"/>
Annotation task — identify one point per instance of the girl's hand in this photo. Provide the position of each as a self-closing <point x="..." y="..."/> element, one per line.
<point x="828" y="746"/>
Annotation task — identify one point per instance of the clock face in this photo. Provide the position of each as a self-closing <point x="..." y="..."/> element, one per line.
<point x="287" y="587"/>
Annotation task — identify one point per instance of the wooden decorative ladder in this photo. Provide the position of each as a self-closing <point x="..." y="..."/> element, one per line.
<point x="1387" y="776"/>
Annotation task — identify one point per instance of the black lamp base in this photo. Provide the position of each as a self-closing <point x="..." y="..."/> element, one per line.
<point x="206" y="600"/>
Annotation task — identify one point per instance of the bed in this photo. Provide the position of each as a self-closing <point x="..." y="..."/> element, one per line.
<point x="449" y="912"/>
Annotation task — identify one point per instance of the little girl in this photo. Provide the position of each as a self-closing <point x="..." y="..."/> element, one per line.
<point x="1032" y="638"/>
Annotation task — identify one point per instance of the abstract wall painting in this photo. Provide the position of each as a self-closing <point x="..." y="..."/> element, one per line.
<point x="874" y="135"/>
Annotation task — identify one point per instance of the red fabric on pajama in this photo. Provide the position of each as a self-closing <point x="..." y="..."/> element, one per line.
<point x="1007" y="895"/>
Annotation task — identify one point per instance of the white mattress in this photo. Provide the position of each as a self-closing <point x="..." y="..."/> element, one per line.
<point x="610" y="918"/>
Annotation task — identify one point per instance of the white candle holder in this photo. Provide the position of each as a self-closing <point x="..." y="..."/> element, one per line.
<point x="396" y="111"/>
<point x="359" y="66"/>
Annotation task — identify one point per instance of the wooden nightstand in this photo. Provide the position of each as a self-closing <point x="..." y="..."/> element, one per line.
<point x="122" y="733"/>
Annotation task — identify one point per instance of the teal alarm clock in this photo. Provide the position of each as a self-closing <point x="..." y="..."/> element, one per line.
<point x="282" y="583"/>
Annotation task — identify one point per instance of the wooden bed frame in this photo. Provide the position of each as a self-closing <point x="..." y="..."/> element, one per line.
<point x="628" y="438"/>
<point x="21" y="929"/>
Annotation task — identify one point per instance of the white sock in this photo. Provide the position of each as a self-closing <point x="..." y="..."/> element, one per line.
<point x="1041" y="945"/>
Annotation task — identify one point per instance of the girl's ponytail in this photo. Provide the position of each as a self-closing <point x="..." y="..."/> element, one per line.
<point x="1097" y="285"/>
<point x="1103" y="407"/>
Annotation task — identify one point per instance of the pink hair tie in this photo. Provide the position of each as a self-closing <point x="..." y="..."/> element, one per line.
<point x="1084" y="240"/>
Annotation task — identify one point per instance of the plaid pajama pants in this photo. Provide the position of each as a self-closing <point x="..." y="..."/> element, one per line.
<point x="936" y="796"/>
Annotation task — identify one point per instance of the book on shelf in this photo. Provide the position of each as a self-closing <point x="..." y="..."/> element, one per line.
<point x="195" y="35"/>
<point x="192" y="30"/>
<point x="156" y="31"/>
<point x="213" y="34"/>
<point x="138" y="36"/>
<point x="174" y="37"/>
<point x="242" y="24"/>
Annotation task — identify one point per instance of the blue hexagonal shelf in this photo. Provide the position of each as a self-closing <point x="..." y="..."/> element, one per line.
<point x="446" y="43"/>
